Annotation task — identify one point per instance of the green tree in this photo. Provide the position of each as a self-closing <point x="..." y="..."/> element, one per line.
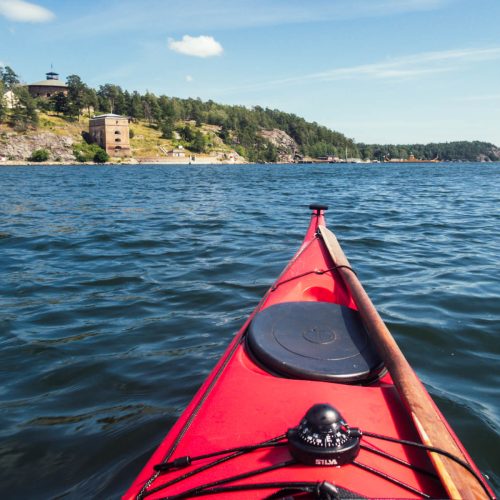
<point x="186" y="133"/>
<point x="151" y="107"/>
<point x="197" y="113"/>
<point x="39" y="155"/>
<point x="84" y="151"/>
<point x="198" y="144"/>
<point x="225" y="134"/>
<point x="366" y="152"/>
<point x="167" y="128"/>
<point x="59" y="102"/>
<point x="44" y="104"/>
<point x="9" y="77"/>
<point x="101" y="156"/>
<point x="77" y="92"/>
<point x="271" y="153"/>
<point x="24" y="114"/>
<point x="91" y="101"/>
<point x="136" y="110"/>
<point x="120" y="107"/>
<point x="111" y="98"/>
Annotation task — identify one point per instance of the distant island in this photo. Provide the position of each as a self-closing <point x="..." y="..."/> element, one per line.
<point x="48" y="121"/>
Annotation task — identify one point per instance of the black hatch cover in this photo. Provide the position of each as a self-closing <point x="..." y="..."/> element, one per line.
<point x="314" y="341"/>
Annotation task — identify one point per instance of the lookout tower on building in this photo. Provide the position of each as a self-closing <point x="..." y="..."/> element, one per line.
<point x="46" y="88"/>
<point x="111" y="132"/>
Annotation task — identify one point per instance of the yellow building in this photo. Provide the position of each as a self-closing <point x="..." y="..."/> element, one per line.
<point x="111" y="132"/>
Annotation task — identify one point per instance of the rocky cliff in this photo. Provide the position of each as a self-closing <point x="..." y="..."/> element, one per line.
<point x="492" y="155"/>
<point x="18" y="146"/>
<point x="287" y="148"/>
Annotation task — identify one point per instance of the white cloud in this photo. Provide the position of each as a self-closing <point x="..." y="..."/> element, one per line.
<point x="189" y="78"/>
<point x="408" y="66"/>
<point x="198" y="46"/>
<point x="21" y="11"/>
<point x="398" y="68"/>
<point x="485" y="97"/>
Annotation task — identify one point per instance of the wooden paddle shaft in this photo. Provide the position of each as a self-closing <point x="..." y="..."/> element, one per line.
<point x="429" y="423"/>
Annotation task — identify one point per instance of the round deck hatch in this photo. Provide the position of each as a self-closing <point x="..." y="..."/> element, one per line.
<point x="314" y="341"/>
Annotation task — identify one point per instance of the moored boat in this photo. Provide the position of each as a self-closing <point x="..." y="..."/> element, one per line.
<point x="312" y="397"/>
<point x="411" y="159"/>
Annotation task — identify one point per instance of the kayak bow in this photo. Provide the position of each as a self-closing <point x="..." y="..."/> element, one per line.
<point x="312" y="397"/>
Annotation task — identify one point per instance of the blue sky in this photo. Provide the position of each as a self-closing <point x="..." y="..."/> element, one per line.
<point x="386" y="71"/>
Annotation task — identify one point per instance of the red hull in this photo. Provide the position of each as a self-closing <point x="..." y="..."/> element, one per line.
<point x="242" y="404"/>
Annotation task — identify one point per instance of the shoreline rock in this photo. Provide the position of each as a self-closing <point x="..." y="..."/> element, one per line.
<point x="18" y="147"/>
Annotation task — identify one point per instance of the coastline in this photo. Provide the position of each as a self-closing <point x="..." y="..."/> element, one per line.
<point x="127" y="162"/>
<point x="211" y="161"/>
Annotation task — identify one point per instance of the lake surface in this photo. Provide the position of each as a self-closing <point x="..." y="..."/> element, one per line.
<point x="120" y="287"/>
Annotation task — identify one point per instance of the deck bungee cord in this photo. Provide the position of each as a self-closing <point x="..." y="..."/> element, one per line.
<point x="322" y="438"/>
<point x="319" y="272"/>
<point x="185" y="461"/>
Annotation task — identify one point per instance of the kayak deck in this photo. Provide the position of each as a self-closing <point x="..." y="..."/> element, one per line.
<point x="245" y="421"/>
<point x="244" y="403"/>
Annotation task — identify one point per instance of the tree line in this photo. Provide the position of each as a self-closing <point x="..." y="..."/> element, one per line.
<point x="446" y="151"/>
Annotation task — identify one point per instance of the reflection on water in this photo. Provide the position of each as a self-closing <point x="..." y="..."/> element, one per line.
<point x="121" y="287"/>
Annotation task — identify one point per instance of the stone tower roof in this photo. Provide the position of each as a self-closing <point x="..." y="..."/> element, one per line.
<point x="49" y="83"/>
<point x="108" y="115"/>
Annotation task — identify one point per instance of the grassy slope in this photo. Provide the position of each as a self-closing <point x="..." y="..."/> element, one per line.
<point x="60" y="126"/>
<point x="145" y="143"/>
<point x="56" y="125"/>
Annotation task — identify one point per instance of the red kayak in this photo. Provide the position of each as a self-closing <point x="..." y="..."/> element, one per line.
<point x="312" y="399"/>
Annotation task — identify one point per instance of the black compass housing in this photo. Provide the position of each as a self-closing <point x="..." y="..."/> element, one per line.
<point x="323" y="438"/>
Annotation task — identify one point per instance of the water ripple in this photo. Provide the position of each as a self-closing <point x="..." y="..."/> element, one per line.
<point x="121" y="287"/>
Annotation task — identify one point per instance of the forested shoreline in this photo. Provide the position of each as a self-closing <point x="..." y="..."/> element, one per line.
<point x="238" y="127"/>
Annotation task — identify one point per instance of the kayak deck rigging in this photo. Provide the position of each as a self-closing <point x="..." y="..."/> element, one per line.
<point x="277" y="367"/>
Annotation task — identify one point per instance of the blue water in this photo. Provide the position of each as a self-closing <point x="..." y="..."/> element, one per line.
<point x="121" y="286"/>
